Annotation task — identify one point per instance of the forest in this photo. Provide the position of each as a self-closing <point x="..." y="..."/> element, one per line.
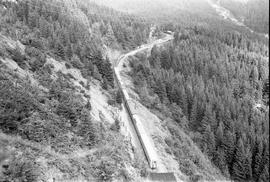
<point x="255" y="13"/>
<point x="208" y="82"/>
<point x="55" y="114"/>
<point x="212" y="80"/>
<point x="45" y="28"/>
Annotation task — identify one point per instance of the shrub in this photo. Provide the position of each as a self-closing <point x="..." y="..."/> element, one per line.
<point x="88" y="105"/>
<point x="36" y="43"/>
<point x="20" y="170"/>
<point x="118" y="97"/>
<point x="48" y="68"/>
<point x="82" y="83"/>
<point x="76" y="62"/>
<point x="70" y="76"/>
<point x="18" y="57"/>
<point x="45" y="77"/>
<point x="106" y="170"/>
<point x="116" y="126"/>
<point x="196" y="178"/>
<point x="127" y="176"/>
<point x="68" y="65"/>
<point x="84" y="73"/>
<point x="2" y="53"/>
<point x="19" y="104"/>
<point x="104" y="84"/>
<point x="186" y="167"/>
<point x="87" y="85"/>
<point x="87" y="129"/>
<point x="37" y="129"/>
<point x="168" y="150"/>
<point x="86" y="96"/>
<point x="67" y="111"/>
<point x="169" y="142"/>
<point x="37" y="63"/>
<point x="82" y="91"/>
<point x="96" y="74"/>
<point x="111" y="102"/>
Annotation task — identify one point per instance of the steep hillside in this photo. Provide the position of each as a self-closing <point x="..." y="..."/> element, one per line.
<point x="208" y="84"/>
<point x="185" y="12"/>
<point x="197" y="82"/>
<point x="58" y="109"/>
<point x="253" y="13"/>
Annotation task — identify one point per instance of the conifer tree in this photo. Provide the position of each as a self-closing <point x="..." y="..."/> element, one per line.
<point x="257" y="161"/>
<point x="109" y="37"/>
<point x="60" y="50"/>
<point x="239" y="170"/>
<point x="208" y="119"/>
<point x="160" y="90"/>
<point x="228" y="146"/>
<point x="264" y="175"/>
<point x="87" y="128"/>
<point x="119" y="97"/>
<point x="209" y="144"/>
<point x="228" y="123"/>
<point x="193" y="115"/>
<point x="105" y="84"/>
<point x="220" y="161"/>
<point x="219" y="134"/>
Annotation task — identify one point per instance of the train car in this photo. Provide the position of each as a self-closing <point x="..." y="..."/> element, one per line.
<point x="126" y="96"/>
<point x="143" y="138"/>
<point x="146" y="144"/>
<point x="118" y="78"/>
<point x="169" y="32"/>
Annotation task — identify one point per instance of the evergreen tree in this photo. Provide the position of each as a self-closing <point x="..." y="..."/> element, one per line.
<point x="178" y="116"/>
<point x="69" y="51"/>
<point x="220" y="162"/>
<point x="208" y="119"/>
<point x="209" y="144"/>
<point x="193" y="115"/>
<point x="88" y="105"/>
<point x="228" y="146"/>
<point x="254" y="75"/>
<point x="105" y="84"/>
<point x="119" y="97"/>
<point x="264" y="175"/>
<point x="160" y="90"/>
<point x="60" y="50"/>
<point x="109" y="37"/>
<point x="219" y="134"/>
<point x="228" y="123"/>
<point x="87" y="129"/>
<point x="257" y="161"/>
<point x="117" y="125"/>
<point x="239" y="170"/>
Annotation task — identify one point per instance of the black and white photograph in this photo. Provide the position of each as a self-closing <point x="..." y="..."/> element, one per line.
<point x="134" y="90"/>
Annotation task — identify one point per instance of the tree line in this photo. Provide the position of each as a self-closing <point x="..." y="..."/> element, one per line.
<point x="210" y="82"/>
<point x="48" y="27"/>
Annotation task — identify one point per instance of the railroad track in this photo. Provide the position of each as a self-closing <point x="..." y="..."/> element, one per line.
<point x="148" y="149"/>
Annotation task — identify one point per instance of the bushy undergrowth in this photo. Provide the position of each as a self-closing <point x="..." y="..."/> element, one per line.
<point x="20" y="169"/>
<point x="59" y="119"/>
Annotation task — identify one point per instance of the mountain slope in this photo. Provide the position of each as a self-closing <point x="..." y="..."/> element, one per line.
<point x="182" y="11"/>
<point x="58" y="114"/>
<point x="253" y="13"/>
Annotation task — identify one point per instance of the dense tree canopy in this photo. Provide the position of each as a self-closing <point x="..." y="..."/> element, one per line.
<point x="216" y="79"/>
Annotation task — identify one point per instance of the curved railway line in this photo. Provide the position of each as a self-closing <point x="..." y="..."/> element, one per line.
<point x="145" y="143"/>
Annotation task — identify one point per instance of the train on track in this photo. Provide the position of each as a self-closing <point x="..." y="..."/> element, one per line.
<point x="142" y="135"/>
